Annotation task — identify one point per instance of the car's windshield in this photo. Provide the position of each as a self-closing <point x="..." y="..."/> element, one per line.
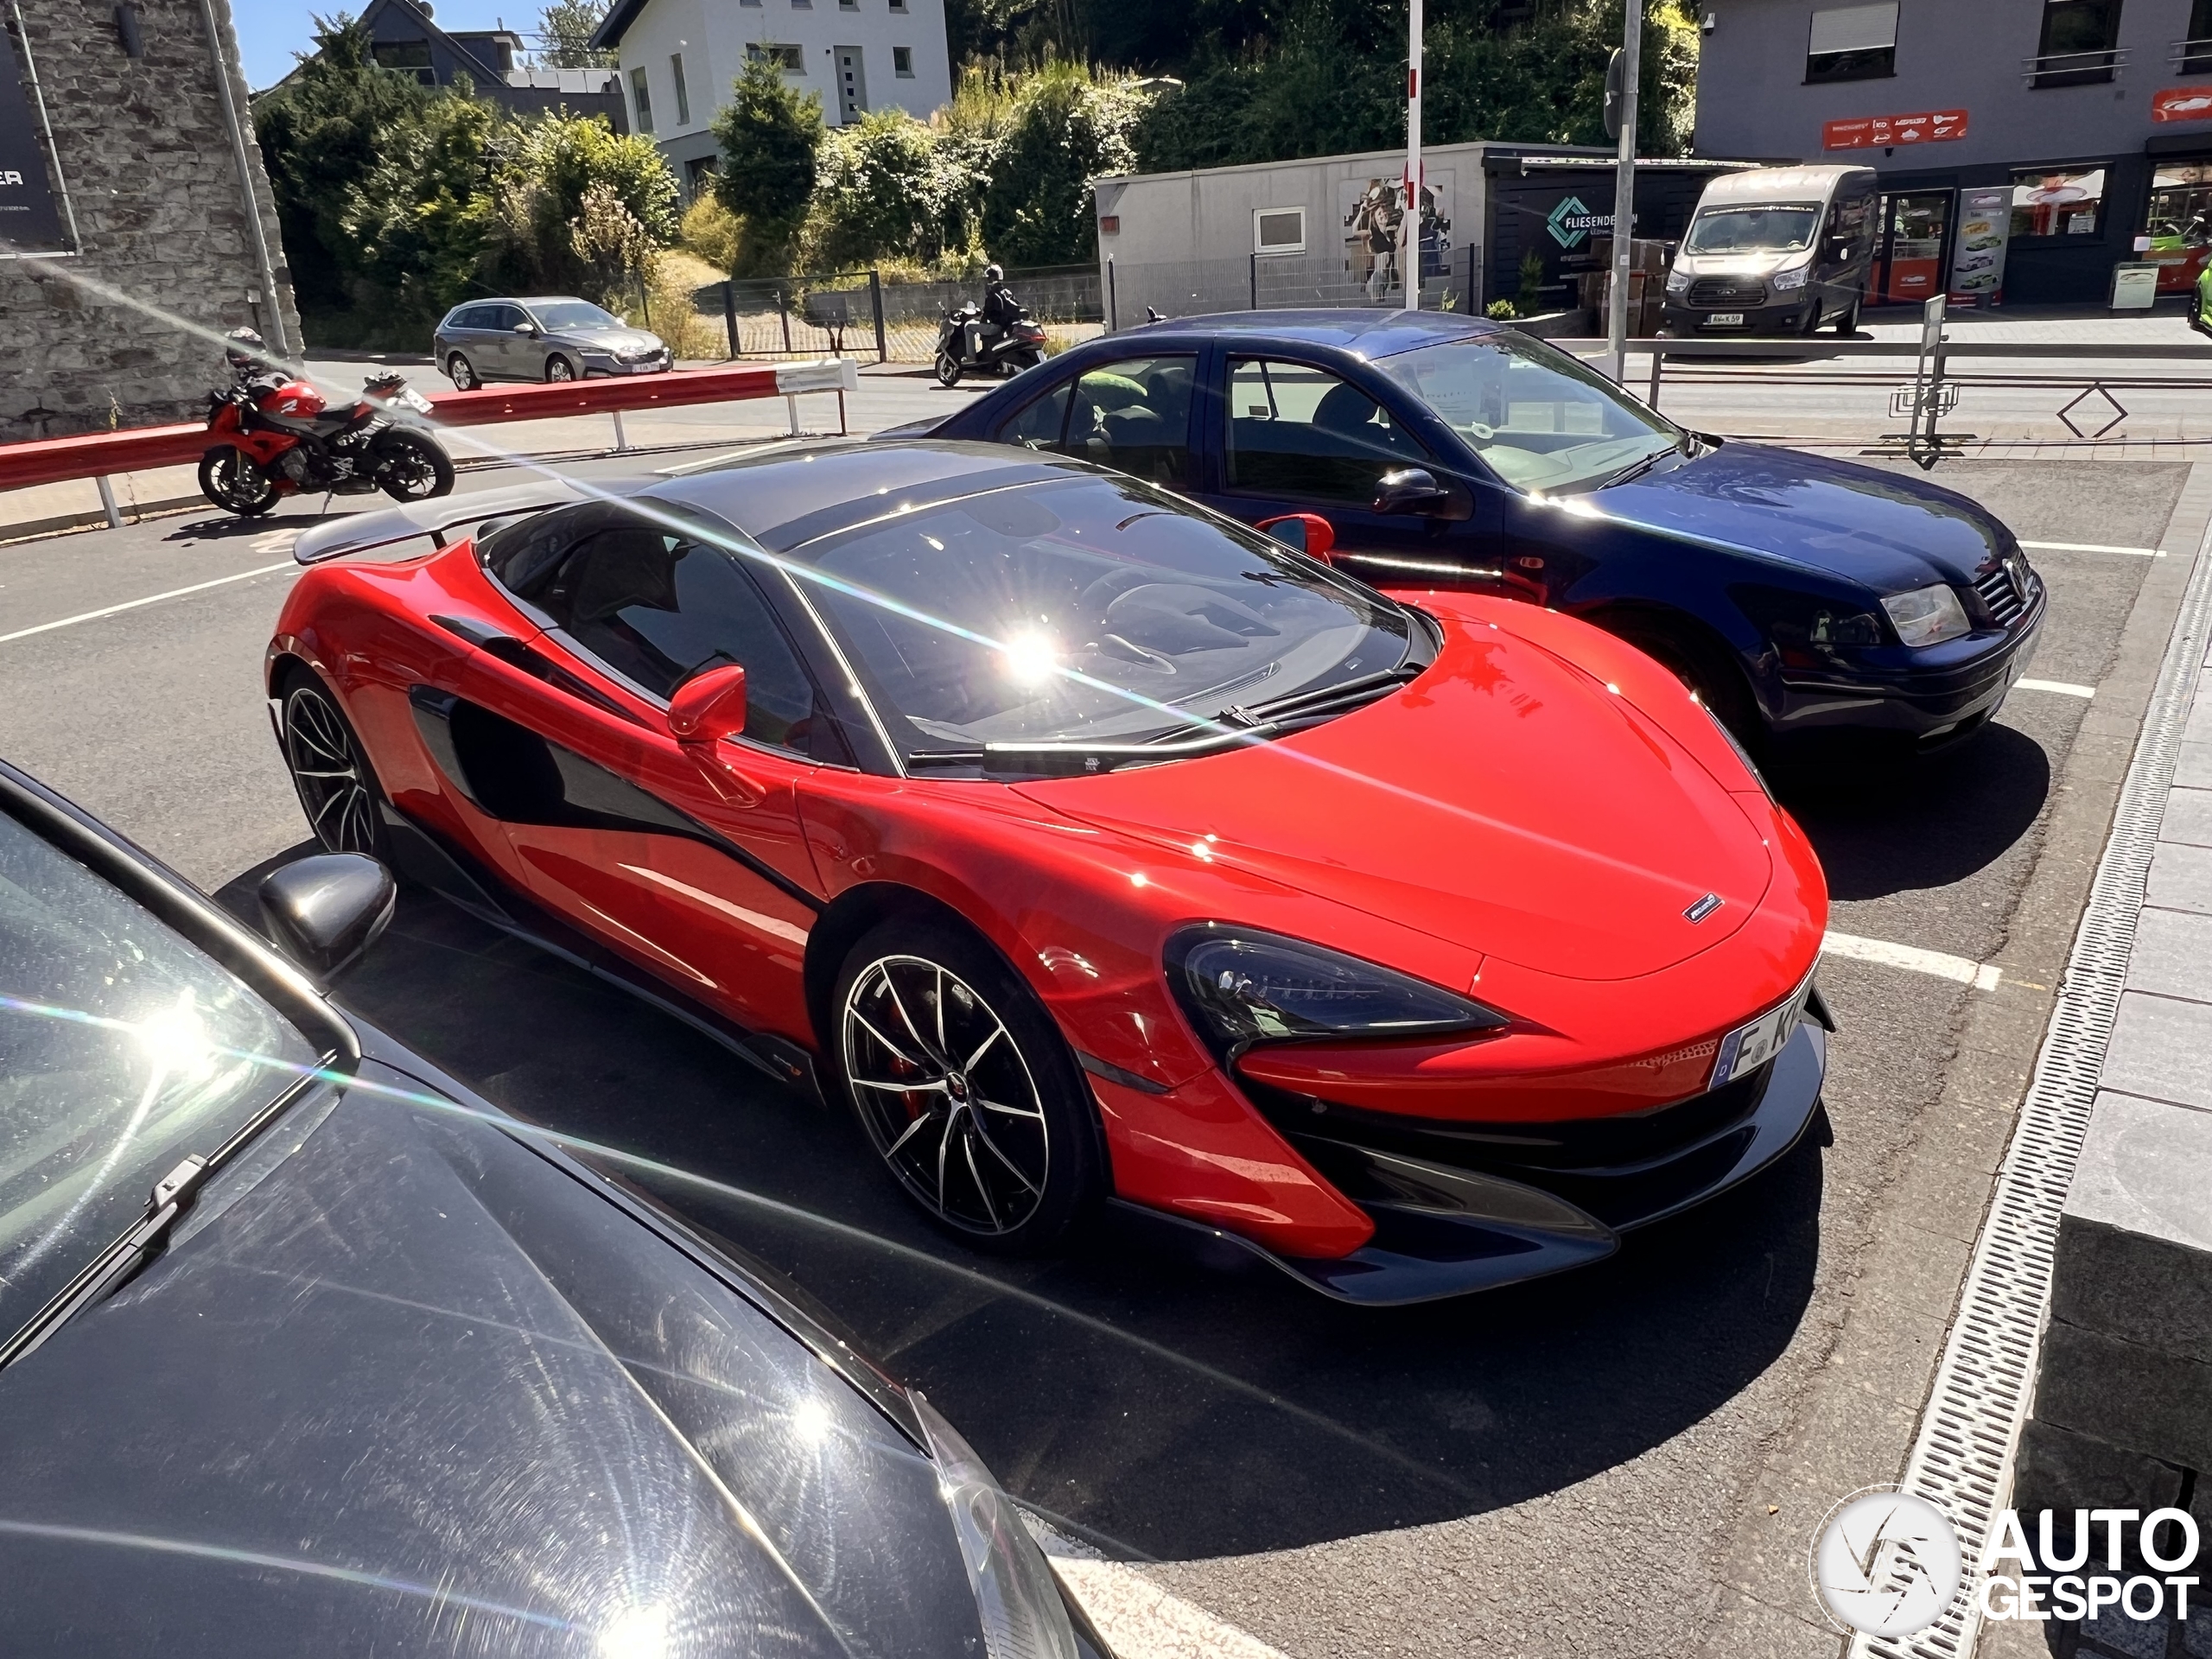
<point x="1539" y="419"/>
<point x="1097" y="609"/>
<point x="121" y="1052"/>
<point x="573" y="314"/>
<point x="1755" y="227"/>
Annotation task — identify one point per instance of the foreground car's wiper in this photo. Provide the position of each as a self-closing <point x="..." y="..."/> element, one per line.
<point x="1326" y="699"/>
<point x="121" y="1261"/>
<point x="1080" y="759"/>
<point x="1637" y="468"/>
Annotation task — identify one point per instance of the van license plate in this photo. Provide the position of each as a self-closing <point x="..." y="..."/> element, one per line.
<point x="1726" y="320"/>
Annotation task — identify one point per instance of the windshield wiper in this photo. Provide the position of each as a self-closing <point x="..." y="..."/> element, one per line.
<point x="1637" y="468"/>
<point x="120" y="1262"/>
<point x="1328" y="699"/>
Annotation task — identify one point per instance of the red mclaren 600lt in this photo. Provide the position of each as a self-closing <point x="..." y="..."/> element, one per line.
<point x="1091" y="846"/>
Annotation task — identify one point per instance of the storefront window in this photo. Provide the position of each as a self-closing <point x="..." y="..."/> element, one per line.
<point x="2056" y="203"/>
<point x="2179" y="223"/>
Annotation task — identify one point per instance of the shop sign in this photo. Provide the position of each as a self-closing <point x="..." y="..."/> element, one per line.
<point x="1883" y="131"/>
<point x="29" y="223"/>
<point x="1978" y="253"/>
<point x="2181" y="104"/>
<point x="1570" y="221"/>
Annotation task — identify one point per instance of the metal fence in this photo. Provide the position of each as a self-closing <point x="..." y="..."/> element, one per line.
<point x="866" y="313"/>
<point x="1450" y="281"/>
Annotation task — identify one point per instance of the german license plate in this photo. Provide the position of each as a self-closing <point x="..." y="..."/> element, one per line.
<point x="410" y="398"/>
<point x="1726" y="320"/>
<point x="1748" y="1047"/>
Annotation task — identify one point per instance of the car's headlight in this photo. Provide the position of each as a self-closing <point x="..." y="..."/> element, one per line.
<point x="1015" y="1593"/>
<point x="1241" y="986"/>
<point x="1927" y="616"/>
<point x="1678" y="282"/>
<point x="1785" y="280"/>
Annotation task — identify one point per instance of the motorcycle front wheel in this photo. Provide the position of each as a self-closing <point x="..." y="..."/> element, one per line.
<point x="948" y="368"/>
<point x="233" y="481"/>
<point x="410" y="468"/>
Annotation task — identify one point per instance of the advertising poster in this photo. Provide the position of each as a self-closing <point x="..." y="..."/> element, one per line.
<point x="1978" y="254"/>
<point x="1886" y="132"/>
<point x="29" y="222"/>
<point x="1373" y="214"/>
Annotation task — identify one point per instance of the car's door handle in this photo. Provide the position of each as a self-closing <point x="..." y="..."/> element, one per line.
<point x="485" y="637"/>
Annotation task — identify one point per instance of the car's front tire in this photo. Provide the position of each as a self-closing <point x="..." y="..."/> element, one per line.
<point x="966" y="1088"/>
<point x="462" y="373"/>
<point x="558" y="368"/>
<point x="337" y="787"/>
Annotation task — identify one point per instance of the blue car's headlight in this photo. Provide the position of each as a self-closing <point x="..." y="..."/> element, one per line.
<point x="1927" y="616"/>
<point x="1241" y="986"/>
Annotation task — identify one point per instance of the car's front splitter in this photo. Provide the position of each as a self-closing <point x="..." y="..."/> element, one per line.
<point x="1444" y="1231"/>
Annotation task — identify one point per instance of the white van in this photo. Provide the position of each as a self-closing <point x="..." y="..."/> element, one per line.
<point x="1776" y="250"/>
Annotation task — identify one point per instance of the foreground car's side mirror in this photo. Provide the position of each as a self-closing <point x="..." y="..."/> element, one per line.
<point x="525" y="328"/>
<point x="1309" y="532"/>
<point x="708" y="707"/>
<point x="325" y="911"/>
<point x="1411" y="490"/>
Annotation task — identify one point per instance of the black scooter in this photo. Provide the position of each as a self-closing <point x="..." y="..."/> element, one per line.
<point x="966" y="344"/>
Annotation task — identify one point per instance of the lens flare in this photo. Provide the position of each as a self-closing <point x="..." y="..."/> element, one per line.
<point x="1033" y="656"/>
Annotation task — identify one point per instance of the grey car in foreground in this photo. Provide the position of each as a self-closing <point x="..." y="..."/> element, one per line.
<point x="304" y="1348"/>
<point x="553" y="337"/>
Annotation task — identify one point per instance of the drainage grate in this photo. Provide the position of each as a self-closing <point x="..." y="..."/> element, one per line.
<point x="1961" y="1460"/>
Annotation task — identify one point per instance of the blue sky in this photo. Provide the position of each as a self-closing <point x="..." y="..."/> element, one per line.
<point x="271" y="31"/>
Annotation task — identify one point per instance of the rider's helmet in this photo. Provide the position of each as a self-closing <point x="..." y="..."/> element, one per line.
<point x="247" y="351"/>
<point x="993" y="273"/>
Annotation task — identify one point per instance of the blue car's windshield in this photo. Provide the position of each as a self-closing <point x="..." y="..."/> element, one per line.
<point x="1540" y="420"/>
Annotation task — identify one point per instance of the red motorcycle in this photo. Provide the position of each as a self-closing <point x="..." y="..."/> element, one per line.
<point x="277" y="437"/>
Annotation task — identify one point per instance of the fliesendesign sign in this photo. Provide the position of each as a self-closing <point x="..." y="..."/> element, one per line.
<point x="1570" y="222"/>
<point x="1884" y="132"/>
<point x="31" y="222"/>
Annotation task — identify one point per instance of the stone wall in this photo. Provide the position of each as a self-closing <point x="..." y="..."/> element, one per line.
<point x="148" y="162"/>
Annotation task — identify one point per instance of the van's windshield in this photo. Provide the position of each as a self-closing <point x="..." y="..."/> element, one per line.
<point x="1753" y="227"/>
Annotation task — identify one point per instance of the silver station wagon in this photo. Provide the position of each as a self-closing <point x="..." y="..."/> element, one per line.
<point x="554" y="337"/>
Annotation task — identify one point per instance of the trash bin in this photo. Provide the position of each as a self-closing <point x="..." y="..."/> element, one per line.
<point x="2134" y="285"/>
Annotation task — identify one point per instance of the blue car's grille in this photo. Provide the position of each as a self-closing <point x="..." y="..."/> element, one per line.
<point x="2006" y="589"/>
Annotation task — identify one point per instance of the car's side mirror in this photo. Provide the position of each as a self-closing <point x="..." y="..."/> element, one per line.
<point x="708" y="707"/>
<point x="1411" y="490"/>
<point x="1309" y="532"/>
<point x="525" y="328"/>
<point x="325" y="911"/>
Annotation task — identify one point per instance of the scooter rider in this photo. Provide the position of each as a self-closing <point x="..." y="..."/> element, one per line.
<point x="1000" y="309"/>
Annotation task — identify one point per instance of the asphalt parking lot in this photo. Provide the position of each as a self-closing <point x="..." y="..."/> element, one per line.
<point x="1614" y="1462"/>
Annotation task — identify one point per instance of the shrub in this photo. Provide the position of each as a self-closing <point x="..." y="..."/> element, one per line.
<point x="770" y="136"/>
<point x="713" y="233"/>
<point x="1500" y="311"/>
<point x="885" y="185"/>
<point x="1530" y="299"/>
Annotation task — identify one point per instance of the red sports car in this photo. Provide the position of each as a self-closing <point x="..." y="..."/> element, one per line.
<point x="1092" y="846"/>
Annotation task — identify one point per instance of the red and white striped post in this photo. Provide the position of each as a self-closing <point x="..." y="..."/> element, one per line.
<point x="1409" y="225"/>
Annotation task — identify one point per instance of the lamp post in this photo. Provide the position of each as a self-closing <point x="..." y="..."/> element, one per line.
<point x="1623" y="187"/>
<point x="1409" y="224"/>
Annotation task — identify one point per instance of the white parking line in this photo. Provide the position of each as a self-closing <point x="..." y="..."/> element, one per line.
<point x="150" y="598"/>
<point x="2063" y="688"/>
<point x="2096" y="547"/>
<point x="1962" y="969"/>
<point x="1138" y="1618"/>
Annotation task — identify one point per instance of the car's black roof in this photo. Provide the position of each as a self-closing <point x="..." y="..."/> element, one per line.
<point x="1362" y="333"/>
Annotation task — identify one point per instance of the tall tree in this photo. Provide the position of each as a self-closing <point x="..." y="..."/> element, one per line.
<point x="770" y="136"/>
<point x="564" y="31"/>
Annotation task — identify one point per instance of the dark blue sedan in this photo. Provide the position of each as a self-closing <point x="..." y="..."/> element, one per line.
<point x="1791" y="591"/>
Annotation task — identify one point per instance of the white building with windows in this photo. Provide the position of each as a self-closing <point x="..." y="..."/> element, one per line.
<point x="678" y="58"/>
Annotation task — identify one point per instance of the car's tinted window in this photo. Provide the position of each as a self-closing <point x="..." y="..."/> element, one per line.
<point x="576" y="313"/>
<point x="1134" y="415"/>
<point x="1302" y="432"/>
<point x="499" y="316"/>
<point x="659" y="608"/>
<point x="1095" y="608"/>
<point x="1039" y="425"/>
<point x="469" y="316"/>
<point x="123" y="1049"/>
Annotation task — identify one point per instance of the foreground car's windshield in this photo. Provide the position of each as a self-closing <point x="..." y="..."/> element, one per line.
<point x="1764" y="227"/>
<point x="574" y="314"/>
<point x="121" y="1051"/>
<point x="1539" y="418"/>
<point x="1102" y="577"/>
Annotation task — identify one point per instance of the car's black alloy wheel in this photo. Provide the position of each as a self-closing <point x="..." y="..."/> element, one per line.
<point x="965" y="1086"/>
<point x="462" y="373"/>
<point x="338" y="790"/>
<point x="559" y="368"/>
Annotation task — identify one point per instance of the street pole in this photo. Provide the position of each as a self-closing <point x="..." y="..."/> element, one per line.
<point x="1623" y="188"/>
<point x="1409" y="226"/>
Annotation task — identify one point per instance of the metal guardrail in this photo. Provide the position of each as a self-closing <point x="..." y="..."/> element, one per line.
<point x="98" y="455"/>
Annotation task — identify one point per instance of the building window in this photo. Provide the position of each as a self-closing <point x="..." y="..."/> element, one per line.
<point x="1853" y="43"/>
<point x="682" y="97"/>
<point x="1279" y="230"/>
<point x="2078" y="45"/>
<point x="409" y="57"/>
<point x="792" y="60"/>
<point x="849" y="5"/>
<point x="2195" y="55"/>
<point x="902" y="61"/>
<point x="898" y="5"/>
<point x="642" y="95"/>
<point x="2048" y="202"/>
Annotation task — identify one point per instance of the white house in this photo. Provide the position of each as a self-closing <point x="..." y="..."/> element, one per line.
<point x="678" y="58"/>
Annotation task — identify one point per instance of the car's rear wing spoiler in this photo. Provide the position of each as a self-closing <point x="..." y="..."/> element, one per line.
<point x="358" y="532"/>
